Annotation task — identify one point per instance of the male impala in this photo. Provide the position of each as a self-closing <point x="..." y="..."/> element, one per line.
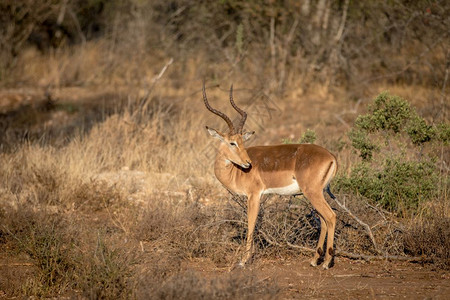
<point x="279" y="169"/>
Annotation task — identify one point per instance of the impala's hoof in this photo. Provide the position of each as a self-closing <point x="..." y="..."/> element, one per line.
<point x="313" y="263"/>
<point x="328" y="264"/>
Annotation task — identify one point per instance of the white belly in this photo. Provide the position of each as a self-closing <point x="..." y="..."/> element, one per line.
<point x="291" y="189"/>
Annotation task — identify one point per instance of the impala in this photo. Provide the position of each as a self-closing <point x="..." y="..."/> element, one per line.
<point x="278" y="169"/>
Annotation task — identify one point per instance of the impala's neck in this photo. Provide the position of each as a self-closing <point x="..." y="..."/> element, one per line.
<point x="223" y="168"/>
<point x="229" y="174"/>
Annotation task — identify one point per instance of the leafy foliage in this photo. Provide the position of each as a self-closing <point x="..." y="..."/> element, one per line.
<point x="308" y="137"/>
<point x="397" y="185"/>
<point x="391" y="116"/>
<point x="396" y="174"/>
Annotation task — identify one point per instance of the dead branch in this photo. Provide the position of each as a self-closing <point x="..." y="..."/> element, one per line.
<point x="144" y="101"/>
<point x="381" y="257"/>
<point x="365" y="257"/>
<point x="268" y="239"/>
<point x="367" y="227"/>
<point x="302" y="248"/>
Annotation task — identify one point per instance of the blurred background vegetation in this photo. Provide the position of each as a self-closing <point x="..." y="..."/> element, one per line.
<point x="276" y="43"/>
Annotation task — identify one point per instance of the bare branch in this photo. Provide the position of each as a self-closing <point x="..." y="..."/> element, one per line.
<point x="366" y="257"/>
<point x="367" y="227"/>
<point x="144" y="101"/>
<point x="381" y="257"/>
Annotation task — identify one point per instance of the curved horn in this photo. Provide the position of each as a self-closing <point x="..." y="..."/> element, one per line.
<point x="240" y="111"/>
<point x="216" y="112"/>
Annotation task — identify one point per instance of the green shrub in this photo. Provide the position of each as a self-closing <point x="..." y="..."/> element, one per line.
<point x="443" y="133"/>
<point x="308" y="137"/>
<point x="397" y="185"/>
<point x="397" y="171"/>
<point x="389" y="118"/>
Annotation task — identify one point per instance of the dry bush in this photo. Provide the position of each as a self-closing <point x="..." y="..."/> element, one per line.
<point x="105" y="271"/>
<point x="427" y="234"/>
<point x="69" y="253"/>
<point x="45" y="239"/>
<point x="187" y="229"/>
<point x="431" y="239"/>
<point x="290" y="225"/>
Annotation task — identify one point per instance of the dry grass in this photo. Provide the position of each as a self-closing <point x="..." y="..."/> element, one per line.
<point x="83" y="211"/>
<point x="428" y="235"/>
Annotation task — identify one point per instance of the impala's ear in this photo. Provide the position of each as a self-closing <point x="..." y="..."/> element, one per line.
<point x="214" y="133"/>
<point x="247" y="135"/>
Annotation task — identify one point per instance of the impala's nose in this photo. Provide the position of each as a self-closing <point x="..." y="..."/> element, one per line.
<point x="248" y="164"/>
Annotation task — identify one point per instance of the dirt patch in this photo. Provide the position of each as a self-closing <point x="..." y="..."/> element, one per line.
<point x="296" y="279"/>
<point x="348" y="279"/>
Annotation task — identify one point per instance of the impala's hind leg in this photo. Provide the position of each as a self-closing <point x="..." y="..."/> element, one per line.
<point x="329" y="217"/>
<point x="319" y="248"/>
<point x="331" y="225"/>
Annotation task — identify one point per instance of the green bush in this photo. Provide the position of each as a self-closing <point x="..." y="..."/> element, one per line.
<point x="308" y="137"/>
<point x="389" y="118"/>
<point x="397" y="171"/>
<point x="397" y="185"/>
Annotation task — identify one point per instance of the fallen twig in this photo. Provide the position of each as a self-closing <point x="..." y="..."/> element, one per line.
<point x="381" y="257"/>
<point x="302" y="248"/>
<point x="366" y="257"/>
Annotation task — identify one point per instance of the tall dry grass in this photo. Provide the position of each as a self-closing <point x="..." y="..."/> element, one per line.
<point x="90" y="212"/>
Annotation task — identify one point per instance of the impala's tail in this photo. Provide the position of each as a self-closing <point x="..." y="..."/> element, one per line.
<point x="327" y="189"/>
<point x="330" y="174"/>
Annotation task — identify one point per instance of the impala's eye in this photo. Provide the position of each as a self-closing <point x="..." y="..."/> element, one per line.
<point x="233" y="144"/>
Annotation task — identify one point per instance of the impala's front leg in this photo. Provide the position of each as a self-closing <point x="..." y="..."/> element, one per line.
<point x="252" y="214"/>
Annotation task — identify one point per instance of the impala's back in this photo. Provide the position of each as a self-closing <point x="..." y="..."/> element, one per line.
<point x="282" y="168"/>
